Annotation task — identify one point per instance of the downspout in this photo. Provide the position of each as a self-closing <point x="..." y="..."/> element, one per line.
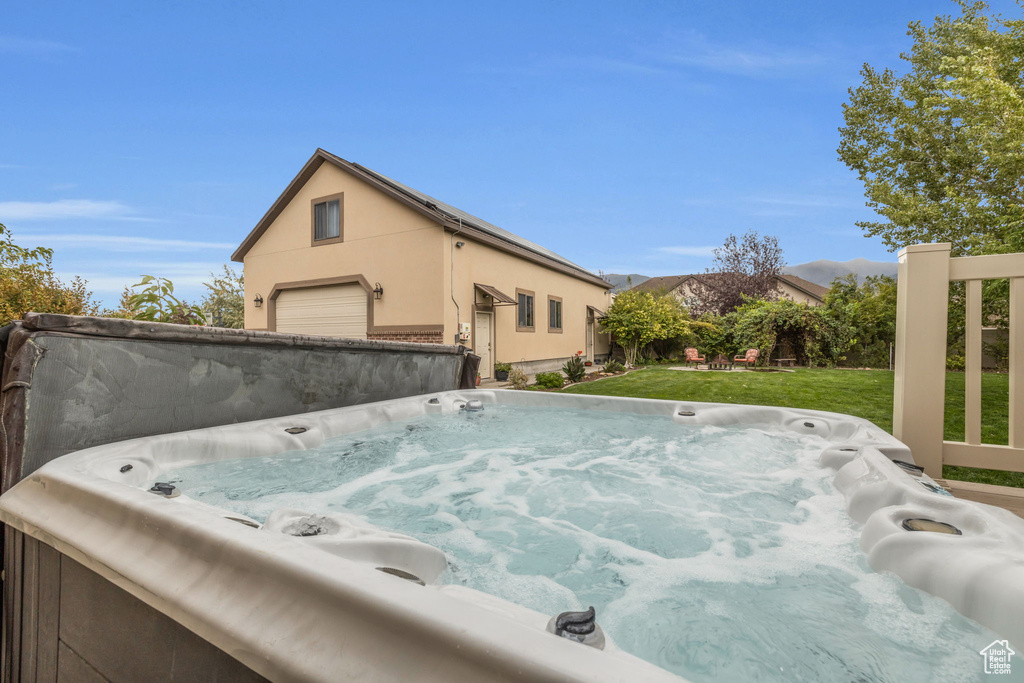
<point x="451" y="285"/>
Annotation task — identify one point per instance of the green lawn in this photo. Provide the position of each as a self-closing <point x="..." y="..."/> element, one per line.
<point x="864" y="393"/>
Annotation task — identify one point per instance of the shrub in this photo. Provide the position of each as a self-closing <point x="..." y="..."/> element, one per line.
<point x="574" y="368"/>
<point x="517" y="378"/>
<point x="714" y="336"/>
<point x="503" y="367"/>
<point x="155" y="301"/>
<point x="868" y="311"/>
<point x="28" y="283"/>
<point x="816" y="336"/>
<point x="550" y="380"/>
<point x="614" y="366"/>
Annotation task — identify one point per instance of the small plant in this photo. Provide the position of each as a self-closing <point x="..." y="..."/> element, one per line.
<point x="156" y="302"/>
<point x="501" y="371"/>
<point x="574" y="368"/>
<point x="517" y="378"/>
<point x="550" y="380"/>
<point x="614" y="366"/>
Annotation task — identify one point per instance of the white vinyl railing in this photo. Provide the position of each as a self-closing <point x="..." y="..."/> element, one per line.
<point x="925" y="271"/>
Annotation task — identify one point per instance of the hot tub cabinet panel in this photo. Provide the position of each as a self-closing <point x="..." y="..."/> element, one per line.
<point x="72" y="382"/>
<point x="69" y="624"/>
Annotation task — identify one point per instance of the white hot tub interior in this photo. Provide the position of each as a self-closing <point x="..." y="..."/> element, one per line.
<point x="712" y="539"/>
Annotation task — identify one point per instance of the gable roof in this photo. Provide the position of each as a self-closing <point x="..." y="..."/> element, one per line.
<point x="668" y="283"/>
<point x="664" y="283"/>
<point x="806" y="286"/>
<point x="445" y="215"/>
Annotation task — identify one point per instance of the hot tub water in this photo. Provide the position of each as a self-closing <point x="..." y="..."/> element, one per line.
<point x="719" y="553"/>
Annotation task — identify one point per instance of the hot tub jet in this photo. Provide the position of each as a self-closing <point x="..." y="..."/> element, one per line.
<point x="579" y="626"/>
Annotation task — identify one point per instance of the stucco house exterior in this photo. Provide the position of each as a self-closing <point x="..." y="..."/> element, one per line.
<point x="789" y="287"/>
<point x="346" y="251"/>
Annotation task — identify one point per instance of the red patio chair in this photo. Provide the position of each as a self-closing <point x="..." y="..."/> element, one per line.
<point x="748" y="359"/>
<point x="693" y="356"/>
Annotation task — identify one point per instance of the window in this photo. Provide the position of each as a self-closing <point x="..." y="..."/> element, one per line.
<point x="327" y="219"/>
<point x="524" y="299"/>
<point x="554" y="314"/>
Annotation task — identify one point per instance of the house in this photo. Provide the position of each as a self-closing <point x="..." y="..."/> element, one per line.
<point x="682" y="286"/>
<point x="347" y="251"/>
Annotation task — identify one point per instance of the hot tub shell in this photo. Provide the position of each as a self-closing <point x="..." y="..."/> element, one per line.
<point x="286" y="610"/>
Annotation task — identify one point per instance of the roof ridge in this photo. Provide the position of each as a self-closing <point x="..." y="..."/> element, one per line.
<point x="457" y="214"/>
<point x="446" y="215"/>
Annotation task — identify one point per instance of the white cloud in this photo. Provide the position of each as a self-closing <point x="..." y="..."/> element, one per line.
<point x="188" y="277"/>
<point x="120" y="243"/>
<point x="67" y="208"/>
<point x="807" y="200"/>
<point x="33" y="48"/>
<point x="749" y="59"/>
<point x="706" y="252"/>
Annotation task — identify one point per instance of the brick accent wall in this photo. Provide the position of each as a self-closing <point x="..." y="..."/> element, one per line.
<point x="411" y="336"/>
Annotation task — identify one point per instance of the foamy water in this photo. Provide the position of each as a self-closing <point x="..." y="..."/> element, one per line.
<point x="717" y="553"/>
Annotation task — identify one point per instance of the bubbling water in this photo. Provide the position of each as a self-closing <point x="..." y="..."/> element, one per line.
<point x="718" y="553"/>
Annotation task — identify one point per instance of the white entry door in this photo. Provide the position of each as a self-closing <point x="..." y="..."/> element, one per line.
<point x="335" y="310"/>
<point x="482" y="345"/>
<point x="590" y="338"/>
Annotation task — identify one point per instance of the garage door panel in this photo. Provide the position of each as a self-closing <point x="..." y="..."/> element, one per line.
<point x="336" y="310"/>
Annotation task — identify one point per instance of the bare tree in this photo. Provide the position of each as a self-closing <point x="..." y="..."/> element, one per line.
<point x="743" y="267"/>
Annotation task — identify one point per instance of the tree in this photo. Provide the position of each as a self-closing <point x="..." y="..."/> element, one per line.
<point x="868" y="310"/>
<point x="636" y="318"/>
<point x="28" y="283"/>
<point x="743" y="269"/>
<point x="225" y="302"/>
<point x="124" y="307"/>
<point x="940" y="149"/>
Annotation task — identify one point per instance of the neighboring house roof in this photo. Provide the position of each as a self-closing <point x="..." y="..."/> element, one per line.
<point x="806" y="286"/>
<point x="664" y="283"/>
<point x="668" y="283"/>
<point x="445" y="214"/>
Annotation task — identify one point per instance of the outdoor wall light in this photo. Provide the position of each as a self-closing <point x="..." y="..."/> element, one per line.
<point x="378" y="291"/>
<point x="460" y="245"/>
<point x="258" y="301"/>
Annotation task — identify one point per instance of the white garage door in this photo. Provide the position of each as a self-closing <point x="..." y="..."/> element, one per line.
<point x="337" y="310"/>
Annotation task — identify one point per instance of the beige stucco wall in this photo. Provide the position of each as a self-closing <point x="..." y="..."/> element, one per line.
<point x="480" y="263"/>
<point x="384" y="242"/>
<point x="410" y="256"/>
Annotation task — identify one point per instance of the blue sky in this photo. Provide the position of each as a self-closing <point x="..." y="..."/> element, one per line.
<point x="629" y="137"/>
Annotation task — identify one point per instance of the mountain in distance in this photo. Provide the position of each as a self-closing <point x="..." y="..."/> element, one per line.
<point x="823" y="271"/>
<point x="623" y="282"/>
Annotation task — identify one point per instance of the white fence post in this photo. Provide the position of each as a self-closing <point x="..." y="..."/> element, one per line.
<point x="922" y="302"/>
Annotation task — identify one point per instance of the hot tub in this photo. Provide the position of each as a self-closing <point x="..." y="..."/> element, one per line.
<point x="438" y="537"/>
